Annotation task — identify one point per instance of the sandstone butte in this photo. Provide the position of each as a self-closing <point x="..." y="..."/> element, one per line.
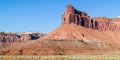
<point x="79" y="25"/>
<point x="78" y="33"/>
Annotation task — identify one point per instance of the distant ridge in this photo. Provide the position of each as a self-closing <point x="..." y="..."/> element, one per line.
<point x="8" y="38"/>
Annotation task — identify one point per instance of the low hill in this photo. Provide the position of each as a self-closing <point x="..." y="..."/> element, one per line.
<point x="81" y="33"/>
<point x="57" y="47"/>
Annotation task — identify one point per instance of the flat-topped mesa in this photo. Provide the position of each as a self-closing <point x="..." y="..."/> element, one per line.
<point x="74" y="16"/>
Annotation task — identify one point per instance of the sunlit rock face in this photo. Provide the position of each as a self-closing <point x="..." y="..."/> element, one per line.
<point x="78" y="25"/>
<point x="74" y="16"/>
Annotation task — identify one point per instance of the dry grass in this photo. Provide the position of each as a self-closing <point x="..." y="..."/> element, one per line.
<point x="106" y="56"/>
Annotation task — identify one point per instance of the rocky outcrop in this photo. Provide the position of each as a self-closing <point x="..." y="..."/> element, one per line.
<point x="30" y="35"/>
<point x="74" y="16"/>
<point x="106" y="24"/>
<point x="78" y="25"/>
<point x="6" y="39"/>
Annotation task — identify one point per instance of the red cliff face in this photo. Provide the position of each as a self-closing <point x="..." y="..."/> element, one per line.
<point x="105" y="24"/>
<point x="74" y="16"/>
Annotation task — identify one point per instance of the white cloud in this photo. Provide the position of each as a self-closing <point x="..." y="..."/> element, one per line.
<point x="118" y="16"/>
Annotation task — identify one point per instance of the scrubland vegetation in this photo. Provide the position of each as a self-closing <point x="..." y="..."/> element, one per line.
<point x="106" y="56"/>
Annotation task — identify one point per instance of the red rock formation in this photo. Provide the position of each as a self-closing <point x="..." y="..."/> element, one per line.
<point x="77" y="25"/>
<point x="6" y="39"/>
<point x="74" y="16"/>
<point x="106" y="24"/>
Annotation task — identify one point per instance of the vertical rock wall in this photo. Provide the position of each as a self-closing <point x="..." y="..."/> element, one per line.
<point x="74" y="16"/>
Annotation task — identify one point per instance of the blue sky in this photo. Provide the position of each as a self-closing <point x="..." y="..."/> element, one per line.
<point x="45" y="15"/>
